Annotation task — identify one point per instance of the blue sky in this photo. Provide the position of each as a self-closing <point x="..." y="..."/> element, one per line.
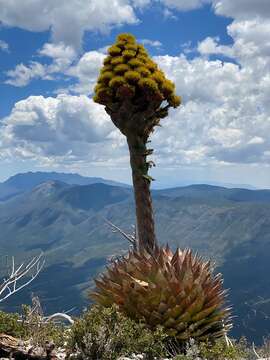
<point x="216" y="51"/>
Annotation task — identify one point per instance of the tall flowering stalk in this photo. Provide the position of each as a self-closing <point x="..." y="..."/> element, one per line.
<point x="136" y="95"/>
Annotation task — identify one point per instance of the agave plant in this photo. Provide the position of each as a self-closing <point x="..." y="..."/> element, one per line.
<point x="177" y="291"/>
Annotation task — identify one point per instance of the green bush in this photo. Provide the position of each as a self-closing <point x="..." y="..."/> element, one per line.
<point x="105" y="334"/>
<point x="31" y="326"/>
<point x="10" y="324"/>
<point x="39" y="331"/>
<point x="218" y="350"/>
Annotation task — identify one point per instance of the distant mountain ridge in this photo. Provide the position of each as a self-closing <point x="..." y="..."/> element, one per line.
<point x="217" y="192"/>
<point x="20" y="183"/>
<point x="67" y="223"/>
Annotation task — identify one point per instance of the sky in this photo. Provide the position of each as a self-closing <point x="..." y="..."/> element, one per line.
<point x="216" y="51"/>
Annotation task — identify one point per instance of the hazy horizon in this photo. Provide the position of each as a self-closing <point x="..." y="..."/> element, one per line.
<point x="157" y="184"/>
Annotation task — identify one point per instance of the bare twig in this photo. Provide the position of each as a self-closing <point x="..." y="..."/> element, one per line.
<point x="132" y="238"/>
<point x="36" y="306"/>
<point x="59" y="316"/>
<point x="254" y="350"/>
<point x="20" y="277"/>
<point x="36" y="313"/>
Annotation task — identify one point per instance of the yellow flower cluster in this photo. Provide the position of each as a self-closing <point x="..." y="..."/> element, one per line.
<point x="129" y="72"/>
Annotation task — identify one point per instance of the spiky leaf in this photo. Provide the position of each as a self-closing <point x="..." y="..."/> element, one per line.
<point x="177" y="291"/>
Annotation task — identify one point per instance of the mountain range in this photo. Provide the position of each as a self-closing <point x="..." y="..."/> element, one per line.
<point x="66" y="220"/>
<point x="20" y="183"/>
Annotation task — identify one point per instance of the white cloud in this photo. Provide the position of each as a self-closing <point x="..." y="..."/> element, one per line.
<point x="169" y="14"/>
<point x="62" y="58"/>
<point x="225" y="118"/>
<point x="68" y="20"/>
<point x="242" y="9"/>
<point x="61" y="54"/>
<point x="236" y="9"/>
<point x="64" y="129"/>
<point x="64" y="63"/>
<point x="153" y="43"/>
<point x="86" y="71"/>
<point x="184" y="5"/>
<point x="249" y="30"/>
<point x="141" y="3"/>
<point x="251" y="44"/>
<point x="210" y="46"/>
<point x="22" y="74"/>
<point x="4" y="46"/>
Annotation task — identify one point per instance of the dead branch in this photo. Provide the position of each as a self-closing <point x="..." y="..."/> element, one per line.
<point x="255" y="352"/>
<point x="35" y="314"/>
<point x="21" y="276"/>
<point x="62" y="316"/>
<point x="132" y="238"/>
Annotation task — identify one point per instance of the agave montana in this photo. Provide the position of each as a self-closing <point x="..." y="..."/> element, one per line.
<point x="177" y="291"/>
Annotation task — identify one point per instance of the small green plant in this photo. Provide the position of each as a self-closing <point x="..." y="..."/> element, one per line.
<point x="39" y="331"/>
<point x="105" y="334"/>
<point x="219" y="350"/>
<point x="31" y="326"/>
<point x="10" y="325"/>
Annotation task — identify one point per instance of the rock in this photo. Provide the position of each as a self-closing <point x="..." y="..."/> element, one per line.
<point x="136" y="357"/>
<point x="133" y="357"/>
